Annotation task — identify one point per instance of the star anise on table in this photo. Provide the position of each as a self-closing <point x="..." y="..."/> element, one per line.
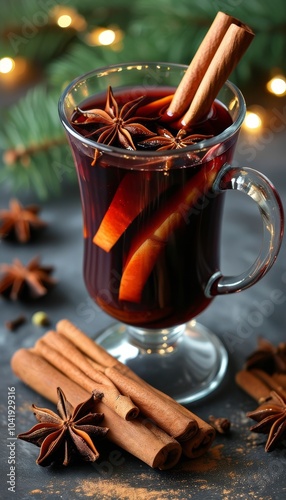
<point x="165" y="140"/>
<point x="117" y="125"/>
<point x="18" y="281"/>
<point x="271" y="418"/>
<point x="19" y="221"/>
<point x="268" y="357"/>
<point x="70" y="432"/>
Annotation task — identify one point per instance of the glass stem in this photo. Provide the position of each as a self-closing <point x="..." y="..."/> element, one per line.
<point x="155" y="340"/>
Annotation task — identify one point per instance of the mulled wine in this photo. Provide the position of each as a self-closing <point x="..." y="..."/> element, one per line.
<point x="151" y="229"/>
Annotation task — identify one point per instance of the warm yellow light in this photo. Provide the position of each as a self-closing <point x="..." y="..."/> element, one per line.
<point x="252" y="121"/>
<point x="7" y="64"/>
<point x="64" y="21"/>
<point x="277" y="85"/>
<point x="106" y="37"/>
<point x="67" y="17"/>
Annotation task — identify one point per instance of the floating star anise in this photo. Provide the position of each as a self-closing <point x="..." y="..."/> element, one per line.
<point x="116" y="125"/>
<point x="268" y="357"/>
<point x="18" y="281"/>
<point x="166" y="140"/>
<point x="72" y="430"/>
<point x="271" y="418"/>
<point x="19" y="221"/>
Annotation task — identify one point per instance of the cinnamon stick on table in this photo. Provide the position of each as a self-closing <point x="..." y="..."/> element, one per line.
<point x="169" y="418"/>
<point x="221" y="50"/>
<point x="269" y="381"/>
<point x="258" y="384"/>
<point x="195" y="446"/>
<point x="252" y="385"/>
<point x="121" y="404"/>
<point x="139" y="437"/>
<point x="198" y="444"/>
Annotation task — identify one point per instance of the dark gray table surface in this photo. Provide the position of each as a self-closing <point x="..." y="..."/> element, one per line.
<point x="237" y="467"/>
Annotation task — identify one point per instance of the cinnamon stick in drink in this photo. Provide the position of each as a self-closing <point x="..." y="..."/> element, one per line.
<point x="232" y="47"/>
<point x="219" y="53"/>
<point x="198" y="66"/>
<point x="145" y="441"/>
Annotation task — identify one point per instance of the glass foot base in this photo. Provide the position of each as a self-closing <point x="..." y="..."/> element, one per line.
<point x="187" y="370"/>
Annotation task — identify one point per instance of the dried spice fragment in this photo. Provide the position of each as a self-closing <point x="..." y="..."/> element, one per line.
<point x="220" y="424"/>
<point x="70" y="432"/>
<point x="20" y="222"/>
<point x="18" y="281"/>
<point x="271" y="419"/>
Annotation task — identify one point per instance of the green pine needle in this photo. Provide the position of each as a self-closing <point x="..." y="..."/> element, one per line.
<point x="37" y="157"/>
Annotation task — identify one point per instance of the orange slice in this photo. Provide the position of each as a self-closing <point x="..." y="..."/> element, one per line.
<point x="131" y="197"/>
<point x="155" y="107"/>
<point x="148" y="245"/>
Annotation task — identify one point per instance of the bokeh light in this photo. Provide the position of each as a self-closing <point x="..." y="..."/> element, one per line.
<point x="64" y="21"/>
<point x="7" y="64"/>
<point x="252" y="121"/>
<point x="277" y="85"/>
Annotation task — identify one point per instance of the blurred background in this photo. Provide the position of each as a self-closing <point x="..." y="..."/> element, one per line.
<point x="47" y="43"/>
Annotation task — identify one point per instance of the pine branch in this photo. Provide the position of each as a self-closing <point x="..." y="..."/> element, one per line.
<point x="78" y="60"/>
<point x="36" y="155"/>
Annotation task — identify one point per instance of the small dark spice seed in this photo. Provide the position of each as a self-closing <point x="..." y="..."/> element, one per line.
<point x="14" y="324"/>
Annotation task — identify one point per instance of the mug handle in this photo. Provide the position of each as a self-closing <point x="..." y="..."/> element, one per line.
<point x="260" y="189"/>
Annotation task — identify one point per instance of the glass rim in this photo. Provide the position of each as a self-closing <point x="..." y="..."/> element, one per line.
<point x="106" y="148"/>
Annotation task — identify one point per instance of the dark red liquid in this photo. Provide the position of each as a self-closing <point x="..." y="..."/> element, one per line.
<point x="186" y="257"/>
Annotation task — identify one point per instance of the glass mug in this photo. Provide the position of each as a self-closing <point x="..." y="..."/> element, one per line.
<point x="162" y="212"/>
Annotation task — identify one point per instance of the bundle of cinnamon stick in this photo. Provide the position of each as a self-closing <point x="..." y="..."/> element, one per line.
<point x="142" y="420"/>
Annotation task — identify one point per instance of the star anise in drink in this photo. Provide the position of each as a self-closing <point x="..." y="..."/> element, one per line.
<point x="20" y="222"/>
<point x="165" y="140"/>
<point x="114" y="125"/>
<point x="72" y="431"/>
<point x="271" y="418"/>
<point x="268" y="357"/>
<point x="18" y="281"/>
